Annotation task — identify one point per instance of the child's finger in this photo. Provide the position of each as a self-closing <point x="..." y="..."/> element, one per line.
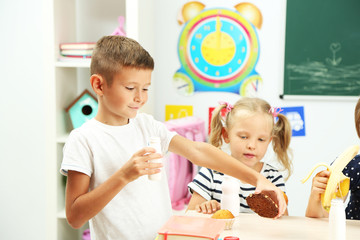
<point x="209" y="207"/>
<point x="204" y="208"/>
<point x="152" y="171"/>
<point x="214" y="205"/>
<point x="144" y="151"/>
<point x="152" y="165"/>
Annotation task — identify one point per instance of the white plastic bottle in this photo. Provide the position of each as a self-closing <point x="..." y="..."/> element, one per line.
<point x="230" y="199"/>
<point x="155" y="142"/>
<point x="337" y="220"/>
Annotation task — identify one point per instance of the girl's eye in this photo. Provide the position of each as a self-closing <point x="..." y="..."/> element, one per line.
<point x="145" y="89"/>
<point x="129" y="88"/>
<point x="243" y="137"/>
<point x="261" y="139"/>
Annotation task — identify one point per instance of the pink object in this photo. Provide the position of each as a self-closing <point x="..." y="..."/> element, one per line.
<point x="187" y="226"/>
<point x="275" y="111"/>
<point x="228" y="105"/>
<point x="231" y="238"/>
<point x="180" y="170"/>
<point x="120" y="29"/>
<point x="86" y="234"/>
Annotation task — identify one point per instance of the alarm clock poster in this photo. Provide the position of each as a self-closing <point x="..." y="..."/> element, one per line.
<point x="218" y="48"/>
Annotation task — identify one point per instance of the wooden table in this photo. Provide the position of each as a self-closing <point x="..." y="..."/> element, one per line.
<point x="251" y="226"/>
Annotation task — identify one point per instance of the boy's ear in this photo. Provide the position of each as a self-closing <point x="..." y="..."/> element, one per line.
<point x="225" y="135"/>
<point x="97" y="83"/>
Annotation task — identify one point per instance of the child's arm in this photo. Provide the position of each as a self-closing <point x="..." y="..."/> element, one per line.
<point x="206" y="155"/>
<point x="82" y="205"/>
<point x="314" y="208"/>
<point x="200" y="204"/>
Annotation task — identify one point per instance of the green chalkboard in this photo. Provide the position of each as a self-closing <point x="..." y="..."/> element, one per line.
<point x="322" y="48"/>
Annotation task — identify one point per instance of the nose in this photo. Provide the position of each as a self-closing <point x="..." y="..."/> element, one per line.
<point x="138" y="96"/>
<point x="251" y="144"/>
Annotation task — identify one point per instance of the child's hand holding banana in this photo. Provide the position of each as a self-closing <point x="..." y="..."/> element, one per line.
<point x="337" y="178"/>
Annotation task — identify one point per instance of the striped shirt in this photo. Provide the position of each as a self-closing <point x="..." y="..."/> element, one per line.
<point x="207" y="183"/>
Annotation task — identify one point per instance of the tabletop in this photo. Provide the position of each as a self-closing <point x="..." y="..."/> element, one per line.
<point x="251" y="226"/>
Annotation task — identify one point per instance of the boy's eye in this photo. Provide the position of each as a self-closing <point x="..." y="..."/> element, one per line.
<point x="130" y="88"/>
<point x="243" y="137"/>
<point x="145" y="89"/>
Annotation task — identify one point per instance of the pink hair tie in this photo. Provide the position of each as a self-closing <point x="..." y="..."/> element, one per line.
<point x="275" y="111"/>
<point x="228" y="105"/>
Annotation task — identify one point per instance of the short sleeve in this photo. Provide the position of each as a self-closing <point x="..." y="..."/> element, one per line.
<point x="156" y="128"/>
<point x="352" y="170"/>
<point x="203" y="183"/>
<point x="77" y="155"/>
<point x="275" y="177"/>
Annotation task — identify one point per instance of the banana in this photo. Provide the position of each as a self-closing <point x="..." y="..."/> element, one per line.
<point x="337" y="178"/>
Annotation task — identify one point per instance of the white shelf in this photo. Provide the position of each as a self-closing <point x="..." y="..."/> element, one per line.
<point x="76" y="63"/>
<point x="62" y="139"/>
<point x="61" y="214"/>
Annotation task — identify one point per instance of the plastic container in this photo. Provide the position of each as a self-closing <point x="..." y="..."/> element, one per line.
<point x="155" y="142"/>
<point x="337" y="220"/>
<point x="230" y="199"/>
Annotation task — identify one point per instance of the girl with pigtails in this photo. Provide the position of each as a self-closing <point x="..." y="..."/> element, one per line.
<point x="248" y="128"/>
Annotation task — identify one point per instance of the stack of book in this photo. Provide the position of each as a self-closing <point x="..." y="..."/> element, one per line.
<point x="76" y="50"/>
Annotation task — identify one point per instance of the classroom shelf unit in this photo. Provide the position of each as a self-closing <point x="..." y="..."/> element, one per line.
<point x="78" y="21"/>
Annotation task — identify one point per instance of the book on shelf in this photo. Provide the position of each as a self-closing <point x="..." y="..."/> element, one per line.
<point x="74" y="56"/>
<point x="77" y="45"/>
<point x="76" y="52"/>
<point x="191" y="228"/>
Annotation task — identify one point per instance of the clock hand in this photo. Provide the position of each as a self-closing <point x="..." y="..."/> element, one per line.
<point x="218" y="32"/>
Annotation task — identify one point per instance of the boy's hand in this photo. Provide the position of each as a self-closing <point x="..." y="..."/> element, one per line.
<point x="264" y="185"/>
<point x="208" y="207"/>
<point x="319" y="183"/>
<point x="140" y="164"/>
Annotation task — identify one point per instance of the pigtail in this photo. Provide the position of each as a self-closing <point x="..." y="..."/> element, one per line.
<point x="357" y="118"/>
<point x="281" y="141"/>
<point x="215" y="137"/>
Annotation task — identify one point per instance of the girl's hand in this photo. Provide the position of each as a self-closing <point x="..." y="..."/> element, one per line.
<point x="208" y="207"/>
<point x="140" y="164"/>
<point x="319" y="183"/>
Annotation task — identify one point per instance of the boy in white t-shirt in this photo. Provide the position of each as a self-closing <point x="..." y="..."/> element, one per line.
<point x="106" y="159"/>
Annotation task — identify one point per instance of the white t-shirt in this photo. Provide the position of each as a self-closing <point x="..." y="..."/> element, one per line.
<point x="208" y="182"/>
<point x="99" y="150"/>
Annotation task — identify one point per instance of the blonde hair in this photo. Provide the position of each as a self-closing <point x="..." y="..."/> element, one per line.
<point x="112" y="53"/>
<point x="357" y="118"/>
<point x="281" y="131"/>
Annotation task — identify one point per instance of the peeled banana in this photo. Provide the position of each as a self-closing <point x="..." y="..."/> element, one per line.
<point x="337" y="178"/>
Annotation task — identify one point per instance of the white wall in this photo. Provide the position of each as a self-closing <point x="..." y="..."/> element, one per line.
<point x="22" y="155"/>
<point x="329" y="123"/>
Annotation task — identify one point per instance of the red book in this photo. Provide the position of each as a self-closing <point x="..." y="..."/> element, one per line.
<point x="191" y="228"/>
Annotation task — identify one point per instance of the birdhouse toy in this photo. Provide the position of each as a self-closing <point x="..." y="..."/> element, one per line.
<point x="82" y="109"/>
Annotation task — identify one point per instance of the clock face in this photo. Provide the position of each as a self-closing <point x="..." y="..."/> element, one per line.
<point x="218" y="48"/>
<point x="250" y="86"/>
<point x="183" y="84"/>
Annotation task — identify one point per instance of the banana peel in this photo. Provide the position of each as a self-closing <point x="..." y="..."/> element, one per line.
<point x="337" y="179"/>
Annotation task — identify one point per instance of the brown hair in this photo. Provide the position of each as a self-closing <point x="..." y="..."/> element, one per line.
<point x="112" y="53"/>
<point x="357" y="118"/>
<point x="281" y="131"/>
